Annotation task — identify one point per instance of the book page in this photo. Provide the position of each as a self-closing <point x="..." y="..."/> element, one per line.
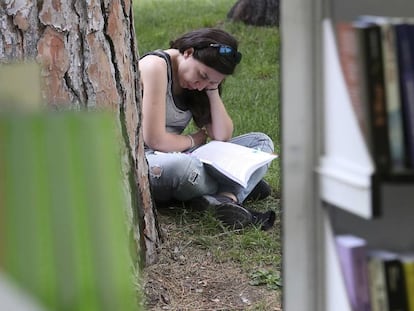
<point x="235" y="161"/>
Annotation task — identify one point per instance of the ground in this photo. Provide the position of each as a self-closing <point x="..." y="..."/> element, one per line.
<point x="189" y="277"/>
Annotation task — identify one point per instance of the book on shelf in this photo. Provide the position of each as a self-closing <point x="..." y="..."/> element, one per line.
<point x="377" y="282"/>
<point x="391" y="72"/>
<point x="234" y="161"/>
<point x="390" y="268"/>
<point x="405" y="48"/>
<point x="377" y="59"/>
<point x="352" y="255"/>
<point x="350" y="50"/>
<point x="361" y="58"/>
<point x="376" y="95"/>
<point x="393" y="97"/>
<point x="408" y="266"/>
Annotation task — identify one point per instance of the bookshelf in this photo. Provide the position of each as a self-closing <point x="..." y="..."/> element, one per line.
<point x="329" y="180"/>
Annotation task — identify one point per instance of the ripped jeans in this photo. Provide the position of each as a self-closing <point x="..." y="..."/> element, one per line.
<point x="178" y="176"/>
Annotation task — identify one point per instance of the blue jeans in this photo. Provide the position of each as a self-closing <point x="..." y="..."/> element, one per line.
<point x="178" y="176"/>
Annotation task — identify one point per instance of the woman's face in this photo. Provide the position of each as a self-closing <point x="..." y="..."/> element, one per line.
<point x="194" y="75"/>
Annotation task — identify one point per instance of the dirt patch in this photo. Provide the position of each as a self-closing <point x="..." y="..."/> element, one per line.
<point x="189" y="277"/>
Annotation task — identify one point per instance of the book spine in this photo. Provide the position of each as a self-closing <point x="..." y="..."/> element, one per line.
<point x="376" y="98"/>
<point x="377" y="285"/>
<point x="396" y="290"/>
<point x="408" y="267"/>
<point x="353" y="262"/>
<point x="349" y="49"/>
<point x="405" y="54"/>
<point x="393" y="100"/>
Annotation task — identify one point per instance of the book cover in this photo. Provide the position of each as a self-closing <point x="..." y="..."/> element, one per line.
<point x="352" y="254"/>
<point x="376" y="96"/>
<point x="405" y="54"/>
<point x="351" y="49"/>
<point x="234" y="161"/>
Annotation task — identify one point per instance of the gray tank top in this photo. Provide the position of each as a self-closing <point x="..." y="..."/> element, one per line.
<point x="176" y="119"/>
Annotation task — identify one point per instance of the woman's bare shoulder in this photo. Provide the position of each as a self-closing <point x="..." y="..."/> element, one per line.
<point x="152" y="64"/>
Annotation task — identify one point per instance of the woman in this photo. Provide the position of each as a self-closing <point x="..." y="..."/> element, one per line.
<point x="184" y="83"/>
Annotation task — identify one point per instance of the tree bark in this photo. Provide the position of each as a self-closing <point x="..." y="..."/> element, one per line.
<point x="88" y="56"/>
<point x="255" y="12"/>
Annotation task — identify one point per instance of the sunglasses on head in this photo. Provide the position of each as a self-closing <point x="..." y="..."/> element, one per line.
<point x="227" y="50"/>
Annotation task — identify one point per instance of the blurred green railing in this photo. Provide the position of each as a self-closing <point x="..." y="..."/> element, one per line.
<point x="63" y="234"/>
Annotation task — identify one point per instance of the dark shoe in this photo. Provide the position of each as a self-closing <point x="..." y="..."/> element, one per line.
<point x="260" y="192"/>
<point x="264" y="220"/>
<point x="225" y="209"/>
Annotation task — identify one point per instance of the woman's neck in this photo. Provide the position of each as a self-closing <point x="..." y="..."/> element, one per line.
<point x="175" y="60"/>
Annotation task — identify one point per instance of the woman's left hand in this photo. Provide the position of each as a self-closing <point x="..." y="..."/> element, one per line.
<point x="200" y="137"/>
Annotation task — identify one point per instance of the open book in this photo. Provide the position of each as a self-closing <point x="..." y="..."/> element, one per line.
<point x="235" y="161"/>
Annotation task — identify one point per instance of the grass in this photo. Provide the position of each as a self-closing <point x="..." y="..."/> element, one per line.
<point x="251" y="248"/>
<point x="251" y="96"/>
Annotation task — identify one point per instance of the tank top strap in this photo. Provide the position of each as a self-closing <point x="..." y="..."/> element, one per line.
<point x="167" y="59"/>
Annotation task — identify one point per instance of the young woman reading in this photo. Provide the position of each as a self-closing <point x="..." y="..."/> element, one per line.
<point x="181" y="84"/>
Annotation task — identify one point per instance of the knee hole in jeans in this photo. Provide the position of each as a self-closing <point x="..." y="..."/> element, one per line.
<point x="156" y="171"/>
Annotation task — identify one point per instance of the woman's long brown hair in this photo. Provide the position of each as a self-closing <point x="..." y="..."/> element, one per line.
<point x="200" y="40"/>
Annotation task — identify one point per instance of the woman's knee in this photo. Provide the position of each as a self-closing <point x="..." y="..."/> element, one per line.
<point x="256" y="140"/>
<point x="265" y="142"/>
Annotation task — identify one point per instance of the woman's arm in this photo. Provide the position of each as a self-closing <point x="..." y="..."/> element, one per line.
<point x="153" y="70"/>
<point x="221" y="127"/>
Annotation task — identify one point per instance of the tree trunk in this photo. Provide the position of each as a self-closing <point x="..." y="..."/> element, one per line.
<point x="255" y="12"/>
<point x="88" y="56"/>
